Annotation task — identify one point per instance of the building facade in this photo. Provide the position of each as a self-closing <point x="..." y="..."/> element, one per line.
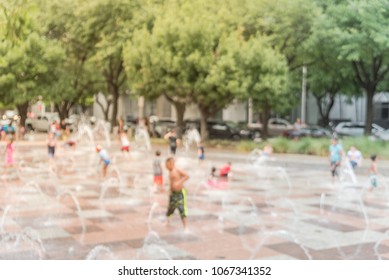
<point x="345" y="108"/>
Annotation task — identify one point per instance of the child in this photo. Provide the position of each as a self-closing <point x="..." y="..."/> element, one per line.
<point x="200" y="151"/>
<point x="225" y="170"/>
<point x="9" y="151"/>
<point x="212" y="178"/>
<point x="267" y="151"/>
<point x="51" y="144"/>
<point x="373" y="172"/>
<point x="177" y="198"/>
<point x="104" y="157"/>
<point x="157" y="171"/>
<point x="54" y="128"/>
<point x="70" y="140"/>
<point x="336" y="153"/>
<point x="125" y="142"/>
<point x="354" y="156"/>
<point x="173" y="141"/>
<point x="213" y="173"/>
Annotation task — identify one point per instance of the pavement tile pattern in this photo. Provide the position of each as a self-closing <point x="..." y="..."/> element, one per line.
<point x="285" y="208"/>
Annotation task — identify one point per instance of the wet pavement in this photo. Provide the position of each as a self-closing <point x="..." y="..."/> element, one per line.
<point x="282" y="208"/>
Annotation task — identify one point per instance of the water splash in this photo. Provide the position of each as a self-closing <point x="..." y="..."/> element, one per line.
<point x="191" y="136"/>
<point x="111" y="182"/>
<point x="281" y="233"/>
<point x="78" y="207"/>
<point x="28" y="236"/>
<point x="151" y="214"/>
<point x="153" y="248"/>
<point x="102" y="129"/>
<point x="5" y="213"/>
<point x="100" y="251"/>
<point x="142" y="138"/>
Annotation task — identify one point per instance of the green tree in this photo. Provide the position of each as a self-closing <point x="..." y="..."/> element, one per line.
<point x="184" y="57"/>
<point x="27" y="58"/>
<point x="157" y="59"/>
<point x="286" y="25"/>
<point x="328" y="76"/>
<point x="359" y="30"/>
<point x="77" y="81"/>
<point x="107" y="25"/>
<point x="265" y="78"/>
<point x="222" y="82"/>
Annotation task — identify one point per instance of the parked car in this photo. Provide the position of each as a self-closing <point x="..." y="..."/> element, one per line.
<point x="276" y="127"/>
<point x="162" y="126"/>
<point x="224" y="129"/>
<point x="311" y="131"/>
<point x="41" y="122"/>
<point x="381" y="135"/>
<point x="131" y="120"/>
<point x="255" y="133"/>
<point x="227" y="130"/>
<point x="355" y="129"/>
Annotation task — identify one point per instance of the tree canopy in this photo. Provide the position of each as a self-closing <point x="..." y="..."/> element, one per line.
<point x="207" y="53"/>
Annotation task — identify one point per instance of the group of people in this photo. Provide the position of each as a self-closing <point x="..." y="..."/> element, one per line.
<point x="59" y="132"/>
<point x="354" y="158"/>
<point x="177" y="177"/>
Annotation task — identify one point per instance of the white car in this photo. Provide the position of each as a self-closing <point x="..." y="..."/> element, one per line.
<point x="41" y="122"/>
<point x="382" y="135"/>
<point x="356" y="129"/>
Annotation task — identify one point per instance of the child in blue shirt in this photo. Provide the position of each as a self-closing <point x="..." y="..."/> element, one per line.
<point x="336" y="153"/>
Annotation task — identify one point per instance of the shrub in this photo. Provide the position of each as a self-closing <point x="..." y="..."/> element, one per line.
<point x="280" y="145"/>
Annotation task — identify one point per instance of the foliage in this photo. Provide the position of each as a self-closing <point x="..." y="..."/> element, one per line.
<point x="27" y="58"/>
<point x="359" y="30"/>
<point x="209" y="53"/>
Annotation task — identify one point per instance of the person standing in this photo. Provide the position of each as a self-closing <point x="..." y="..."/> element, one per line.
<point x="373" y="172"/>
<point x="354" y="156"/>
<point x="177" y="198"/>
<point x="173" y="141"/>
<point x="157" y="172"/>
<point x="125" y="142"/>
<point x="201" y="152"/>
<point x="336" y="153"/>
<point x="9" y="152"/>
<point x="51" y="144"/>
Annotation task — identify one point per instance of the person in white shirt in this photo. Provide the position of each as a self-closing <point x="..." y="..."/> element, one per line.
<point x="104" y="157"/>
<point x="125" y="142"/>
<point x="354" y="156"/>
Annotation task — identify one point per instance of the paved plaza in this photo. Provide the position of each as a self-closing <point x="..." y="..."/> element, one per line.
<point x="281" y="208"/>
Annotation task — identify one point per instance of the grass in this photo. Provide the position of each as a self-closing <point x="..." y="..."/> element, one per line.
<point x="305" y="146"/>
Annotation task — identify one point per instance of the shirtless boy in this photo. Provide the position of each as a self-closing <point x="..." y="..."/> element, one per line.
<point x="177" y="197"/>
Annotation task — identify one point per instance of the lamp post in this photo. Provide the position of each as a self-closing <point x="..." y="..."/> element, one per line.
<point x="250" y="111"/>
<point x="304" y="95"/>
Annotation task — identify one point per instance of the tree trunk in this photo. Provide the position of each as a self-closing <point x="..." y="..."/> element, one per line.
<point x="115" y="103"/>
<point x="369" y="110"/>
<point x="105" y="109"/>
<point x="265" y="120"/>
<point x="203" y="124"/>
<point x="84" y="108"/>
<point x="325" y="113"/>
<point x="63" y="109"/>
<point x="22" y="110"/>
<point x="180" y="111"/>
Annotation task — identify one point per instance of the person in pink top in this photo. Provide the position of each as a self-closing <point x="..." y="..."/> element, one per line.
<point x="9" y="152"/>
